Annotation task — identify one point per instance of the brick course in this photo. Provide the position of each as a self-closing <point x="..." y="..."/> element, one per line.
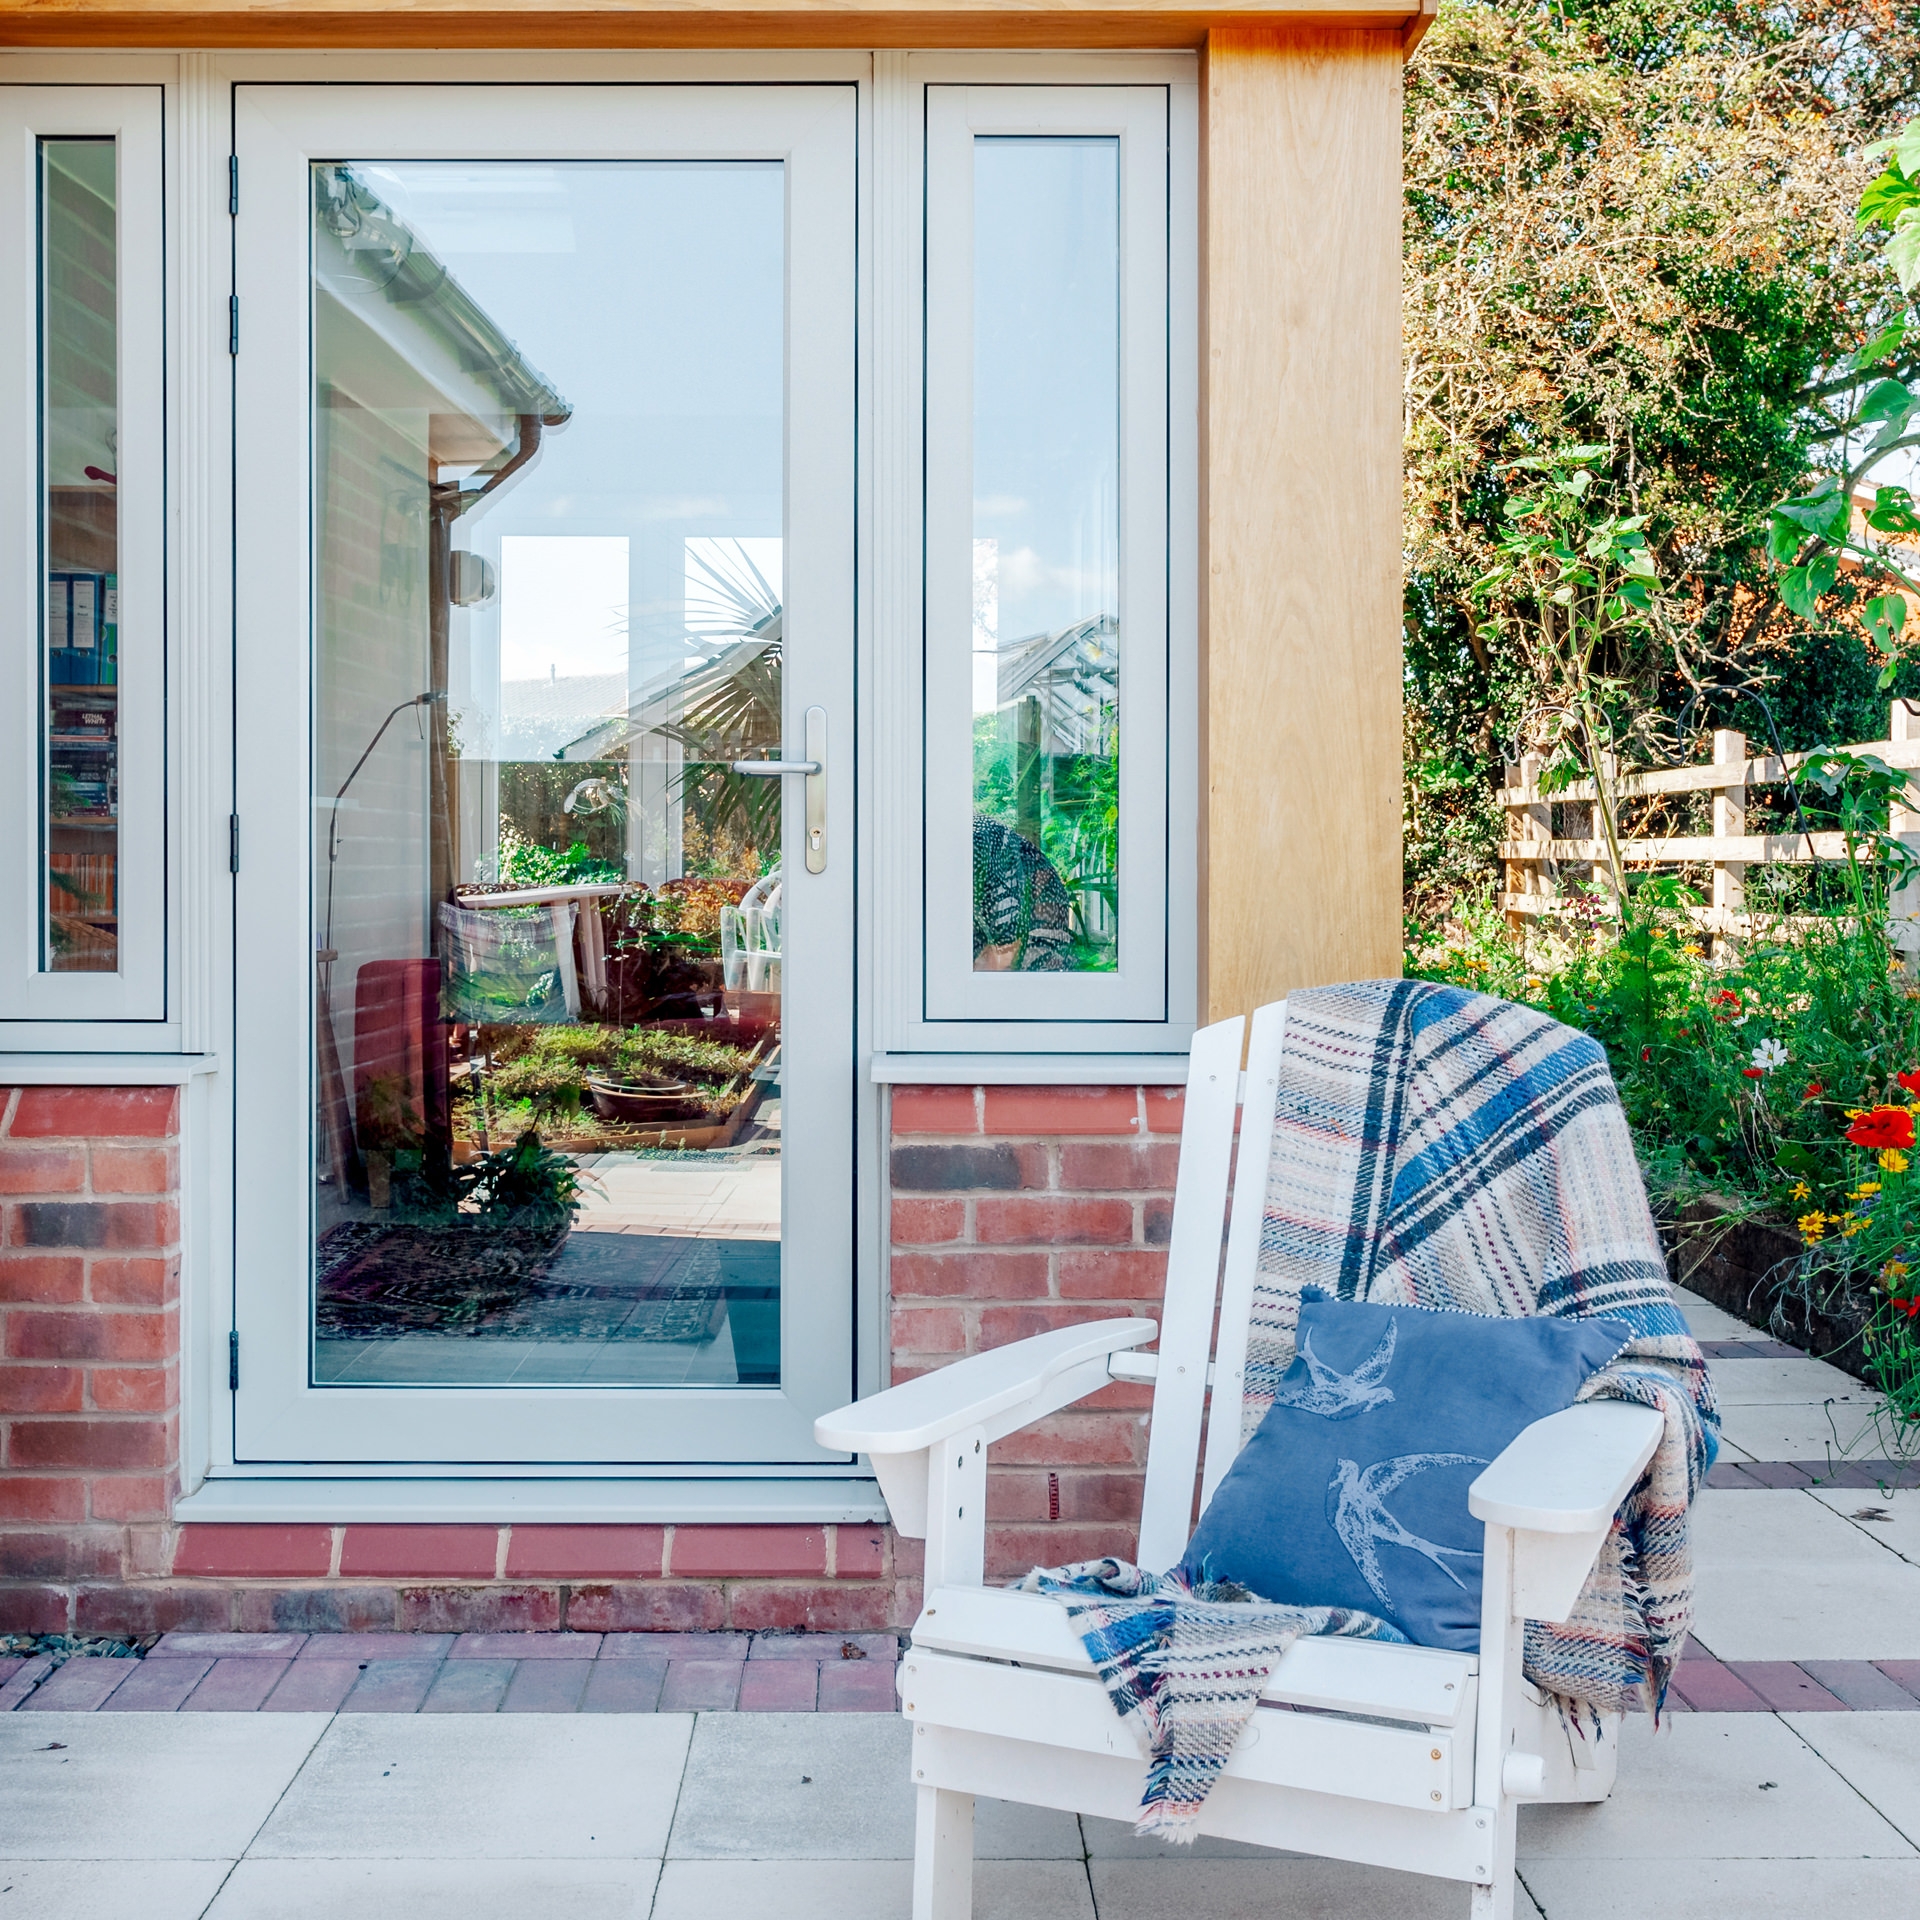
<point x="89" y="1342"/>
<point x="1014" y="1209"/>
<point x="1080" y="1235"/>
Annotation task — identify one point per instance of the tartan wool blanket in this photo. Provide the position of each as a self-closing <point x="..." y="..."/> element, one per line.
<point x="1433" y="1148"/>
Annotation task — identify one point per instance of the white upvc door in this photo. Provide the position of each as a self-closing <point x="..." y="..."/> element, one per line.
<point x="545" y="508"/>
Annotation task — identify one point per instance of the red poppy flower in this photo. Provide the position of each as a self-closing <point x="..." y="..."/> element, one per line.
<point x="1814" y="1090"/>
<point x="1753" y="1073"/>
<point x="1910" y="1080"/>
<point x="1646" y="1053"/>
<point x="1883" y="1127"/>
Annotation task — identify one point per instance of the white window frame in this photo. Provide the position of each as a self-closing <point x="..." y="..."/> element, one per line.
<point x="934" y="1004"/>
<point x="30" y="998"/>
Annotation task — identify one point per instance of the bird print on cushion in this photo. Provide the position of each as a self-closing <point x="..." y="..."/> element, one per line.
<point x="1339" y="1396"/>
<point x="1357" y="1507"/>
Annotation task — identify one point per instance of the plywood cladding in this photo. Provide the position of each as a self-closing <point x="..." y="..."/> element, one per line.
<point x="555" y="25"/>
<point x="1301" y="519"/>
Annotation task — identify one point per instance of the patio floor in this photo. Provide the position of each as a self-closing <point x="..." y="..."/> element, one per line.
<point x="667" y="1777"/>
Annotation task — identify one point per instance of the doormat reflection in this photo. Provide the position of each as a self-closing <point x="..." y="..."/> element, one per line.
<point x="377" y="1280"/>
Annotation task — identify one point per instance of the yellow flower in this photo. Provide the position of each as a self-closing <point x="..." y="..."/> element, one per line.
<point x="1893" y="1270"/>
<point x="1892" y="1159"/>
<point x="1813" y="1227"/>
<point x="1854" y="1113"/>
<point x="1801" y="1191"/>
<point x="1851" y="1224"/>
<point x="1694" y="953"/>
<point x="1865" y="1190"/>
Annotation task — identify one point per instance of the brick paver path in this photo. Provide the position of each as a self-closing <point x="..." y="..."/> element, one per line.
<point x="468" y="1673"/>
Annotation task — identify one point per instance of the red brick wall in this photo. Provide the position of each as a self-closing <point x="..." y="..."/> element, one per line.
<point x="1019" y="1209"/>
<point x="89" y="1342"/>
<point x="1014" y="1209"/>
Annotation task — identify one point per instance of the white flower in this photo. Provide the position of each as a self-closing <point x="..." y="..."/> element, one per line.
<point x="1768" y="1055"/>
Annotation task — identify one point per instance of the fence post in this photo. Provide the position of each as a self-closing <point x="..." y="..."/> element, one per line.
<point x="1903" y="906"/>
<point x="1729" y="822"/>
<point x="1530" y="824"/>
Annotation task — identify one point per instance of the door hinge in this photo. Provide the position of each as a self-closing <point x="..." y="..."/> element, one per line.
<point x="233" y="323"/>
<point x="233" y="1360"/>
<point x="233" y="184"/>
<point x="233" y="843"/>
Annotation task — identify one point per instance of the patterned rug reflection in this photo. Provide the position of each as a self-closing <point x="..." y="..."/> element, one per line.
<point x="376" y="1280"/>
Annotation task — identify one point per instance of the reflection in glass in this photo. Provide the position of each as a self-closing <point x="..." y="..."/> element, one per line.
<point x="80" y="400"/>
<point x="548" y="419"/>
<point x="1046" y="575"/>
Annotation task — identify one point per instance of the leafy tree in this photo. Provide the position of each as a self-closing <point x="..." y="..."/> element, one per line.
<point x="1630" y="228"/>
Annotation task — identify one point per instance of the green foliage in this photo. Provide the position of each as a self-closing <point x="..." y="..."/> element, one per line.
<point x="1069" y="804"/>
<point x="1632" y="227"/>
<point x="522" y="864"/>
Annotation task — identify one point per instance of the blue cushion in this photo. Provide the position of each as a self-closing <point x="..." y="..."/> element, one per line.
<point x="1352" y="1492"/>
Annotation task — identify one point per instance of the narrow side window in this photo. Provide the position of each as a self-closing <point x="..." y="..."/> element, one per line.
<point x="79" y="438"/>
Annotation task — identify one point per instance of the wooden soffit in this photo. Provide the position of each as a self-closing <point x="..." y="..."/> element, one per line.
<point x="560" y="24"/>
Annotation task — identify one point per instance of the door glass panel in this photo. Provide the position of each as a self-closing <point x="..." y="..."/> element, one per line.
<point x="1046" y="539"/>
<point x="79" y="435"/>
<point x="548" y="456"/>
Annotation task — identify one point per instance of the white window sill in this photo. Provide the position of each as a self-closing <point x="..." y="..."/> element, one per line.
<point x="1031" y="1069"/>
<point x="686" y="1503"/>
<point x="104" y="1069"/>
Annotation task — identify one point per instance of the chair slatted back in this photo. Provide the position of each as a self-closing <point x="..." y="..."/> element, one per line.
<point x="1193" y="1272"/>
<point x="1196" y="1274"/>
<point x="1243" y="1240"/>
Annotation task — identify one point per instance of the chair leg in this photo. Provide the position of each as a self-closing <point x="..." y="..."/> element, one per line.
<point x="1493" y="1900"/>
<point x="943" y="1856"/>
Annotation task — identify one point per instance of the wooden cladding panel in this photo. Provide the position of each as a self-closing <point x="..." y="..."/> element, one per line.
<point x="1301" y="519"/>
<point x="557" y="25"/>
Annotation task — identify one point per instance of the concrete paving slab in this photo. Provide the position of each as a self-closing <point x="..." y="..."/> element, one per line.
<point x="1891" y="1520"/>
<point x="1877" y="1754"/>
<point x="109" y="1889"/>
<point x="1773" y="1383"/>
<point x="1780" y="1576"/>
<point x="804" y="1786"/>
<point x="227" y="1646"/>
<point x="1813" y="1889"/>
<point x="1301" y="1889"/>
<point x="436" y="1890"/>
<point x="137" y="1786"/>
<point x="484" y="1787"/>
<point x="1712" y="1786"/>
<point x="864" y="1889"/>
<point x="1807" y="1431"/>
<point x="1705" y="1321"/>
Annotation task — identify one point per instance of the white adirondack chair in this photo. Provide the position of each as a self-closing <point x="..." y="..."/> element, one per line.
<point x="1399" y="1756"/>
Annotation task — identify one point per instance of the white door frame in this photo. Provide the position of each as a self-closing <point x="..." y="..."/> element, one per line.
<point x="279" y="1415"/>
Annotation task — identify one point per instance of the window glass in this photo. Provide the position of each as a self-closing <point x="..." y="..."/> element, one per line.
<point x="79" y="462"/>
<point x="548" y="428"/>
<point x="1046" y="539"/>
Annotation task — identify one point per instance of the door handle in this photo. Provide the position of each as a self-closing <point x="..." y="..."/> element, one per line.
<point x="813" y="769"/>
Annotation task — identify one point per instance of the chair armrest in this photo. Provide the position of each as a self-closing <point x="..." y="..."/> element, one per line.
<point x="1027" y="1380"/>
<point x="1569" y="1472"/>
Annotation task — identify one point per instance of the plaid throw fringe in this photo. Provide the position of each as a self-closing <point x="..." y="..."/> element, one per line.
<point x="1184" y="1668"/>
<point x="1433" y="1148"/>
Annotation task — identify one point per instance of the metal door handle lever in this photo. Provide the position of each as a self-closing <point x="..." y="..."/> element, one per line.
<point x="815" y="770"/>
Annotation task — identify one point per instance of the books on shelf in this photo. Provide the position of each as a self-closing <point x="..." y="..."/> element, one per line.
<point x="83" y="628"/>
